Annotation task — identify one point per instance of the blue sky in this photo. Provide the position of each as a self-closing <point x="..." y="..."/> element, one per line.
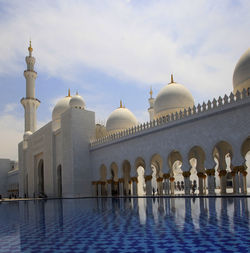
<point x="115" y="49"/>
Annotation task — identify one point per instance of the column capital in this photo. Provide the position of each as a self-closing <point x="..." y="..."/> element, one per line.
<point x="166" y="175"/>
<point x="222" y="173"/>
<point x="201" y="175"/>
<point x="186" y="173"/>
<point x="121" y="180"/>
<point x="159" y="179"/>
<point x="210" y="172"/>
<point x="148" y="178"/>
<point x="171" y="179"/>
<point x="134" y="179"/>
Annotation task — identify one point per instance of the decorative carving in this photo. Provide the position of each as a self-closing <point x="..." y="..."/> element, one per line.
<point x="231" y="96"/>
<point x="214" y="103"/>
<point x="238" y="95"/>
<point x="219" y="101"/>
<point x="209" y="105"/>
<point x="198" y="108"/>
<point x="204" y="107"/>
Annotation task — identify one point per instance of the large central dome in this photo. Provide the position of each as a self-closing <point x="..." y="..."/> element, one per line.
<point x="171" y="98"/>
<point x="241" y="76"/>
<point x="120" y="119"/>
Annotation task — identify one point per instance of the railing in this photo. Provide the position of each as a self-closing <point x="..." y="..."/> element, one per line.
<point x="195" y="110"/>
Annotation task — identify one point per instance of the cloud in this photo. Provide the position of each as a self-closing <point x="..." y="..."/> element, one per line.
<point x="11" y="133"/>
<point x="198" y="42"/>
<point x="139" y="43"/>
<point x="10" y="107"/>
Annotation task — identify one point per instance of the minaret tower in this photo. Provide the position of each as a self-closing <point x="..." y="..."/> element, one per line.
<point x="30" y="103"/>
<point x="151" y="101"/>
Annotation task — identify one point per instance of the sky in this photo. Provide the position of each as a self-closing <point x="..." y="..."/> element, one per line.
<point x="109" y="50"/>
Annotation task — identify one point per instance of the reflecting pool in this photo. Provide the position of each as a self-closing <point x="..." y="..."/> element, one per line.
<point x="126" y="225"/>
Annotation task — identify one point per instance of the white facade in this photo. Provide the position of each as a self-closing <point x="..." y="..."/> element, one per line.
<point x="207" y="144"/>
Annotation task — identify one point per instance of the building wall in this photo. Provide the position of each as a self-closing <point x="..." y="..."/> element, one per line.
<point x="77" y="127"/>
<point x="5" y="166"/>
<point x="229" y="123"/>
<point x="13" y="182"/>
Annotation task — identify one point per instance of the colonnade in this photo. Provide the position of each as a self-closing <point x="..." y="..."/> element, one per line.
<point x="124" y="181"/>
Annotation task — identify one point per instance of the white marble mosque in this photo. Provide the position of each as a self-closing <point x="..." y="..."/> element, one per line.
<point x="181" y="149"/>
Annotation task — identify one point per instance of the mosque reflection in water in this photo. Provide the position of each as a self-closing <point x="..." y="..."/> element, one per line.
<point x="57" y="222"/>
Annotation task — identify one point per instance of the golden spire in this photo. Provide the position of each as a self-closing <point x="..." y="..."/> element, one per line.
<point x="151" y="92"/>
<point x="69" y="93"/>
<point x="120" y="103"/>
<point x="172" y="78"/>
<point x="30" y="47"/>
<point x="76" y="92"/>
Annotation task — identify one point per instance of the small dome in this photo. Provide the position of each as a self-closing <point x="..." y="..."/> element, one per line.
<point x="120" y="119"/>
<point x="77" y="102"/>
<point x="61" y="106"/>
<point x="171" y="98"/>
<point x="241" y="76"/>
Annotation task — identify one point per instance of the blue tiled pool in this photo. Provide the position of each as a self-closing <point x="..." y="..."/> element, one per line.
<point x="126" y="225"/>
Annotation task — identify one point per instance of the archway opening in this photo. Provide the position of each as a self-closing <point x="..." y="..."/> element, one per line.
<point x="157" y="175"/>
<point x="198" y="180"/>
<point x="175" y="163"/>
<point x="114" y="179"/>
<point x="223" y="153"/>
<point x="140" y="169"/>
<point x="127" y="184"/>
<point x="103" y="179"/>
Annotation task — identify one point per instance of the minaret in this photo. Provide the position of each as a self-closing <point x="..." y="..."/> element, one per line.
<point x="30" y="103"/>
<point x="151" y="101"/>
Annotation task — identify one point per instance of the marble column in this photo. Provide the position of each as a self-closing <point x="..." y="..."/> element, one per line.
<point x="109" y="193"/>
<point x="236" y="182"/>
<point x="148" y="185"/>
<point x="171" y="179"/>
<point x="166" y="177"/>
<point x="210" y="181"/>
<point x="201" y="178"/>
<point x="244" y="181"/>
<point x="186" y="175"/>
<point x="160" y="185"/>
<point x="130" y="187"/>
<point x="121" y="186"/>
<point x="99" y="187"/>
<point x="134" y="182"/>
<point x="94" y="189"/>
<point x="223" y="181"/>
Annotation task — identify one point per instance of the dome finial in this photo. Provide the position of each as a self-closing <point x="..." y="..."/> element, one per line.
<point x="69" y="93"/>
<point x="151" y="92"/>
<point x="77" y="92"/>
<point x="120" y="103"/>
<point x="172" y="78"/>
<point x="30" y="49"/>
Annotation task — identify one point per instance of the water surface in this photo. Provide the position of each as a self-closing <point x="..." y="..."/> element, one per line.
<point x="126" y="225"/>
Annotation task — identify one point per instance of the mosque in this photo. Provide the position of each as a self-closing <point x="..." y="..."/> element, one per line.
<point x="183" y="147"/>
